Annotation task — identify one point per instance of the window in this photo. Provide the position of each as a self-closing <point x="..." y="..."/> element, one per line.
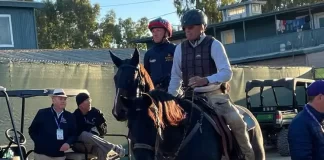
<point x="6" y="37"/>
<point x="256" y="8"/>
<point x="236" y="11"/>
<point x="228" y="36"/>
<point x="319" y="20"/>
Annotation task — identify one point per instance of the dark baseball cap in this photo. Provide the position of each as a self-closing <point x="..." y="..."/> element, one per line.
<point x="316" y="88"/>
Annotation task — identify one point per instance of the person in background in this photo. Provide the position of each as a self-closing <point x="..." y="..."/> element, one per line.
<point x="53" y="129"/>
<point x="91" y="128"/>
<point x="306" y="131"/>
<point x="158" y="59"/>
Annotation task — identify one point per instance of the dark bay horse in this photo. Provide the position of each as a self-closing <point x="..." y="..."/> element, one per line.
<point x="162" y="125"/>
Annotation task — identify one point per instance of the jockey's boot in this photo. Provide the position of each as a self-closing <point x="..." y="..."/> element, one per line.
<point x="234" y="119"/>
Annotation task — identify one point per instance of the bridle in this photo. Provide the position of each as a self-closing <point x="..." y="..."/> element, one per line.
<point x="140" y="90"/>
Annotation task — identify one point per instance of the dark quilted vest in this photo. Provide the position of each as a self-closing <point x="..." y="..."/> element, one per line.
<point x="197" y="61"/>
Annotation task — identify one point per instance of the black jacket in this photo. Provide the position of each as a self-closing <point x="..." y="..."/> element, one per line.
<point x="158" y="62"/>
<point x="43" y="132"/>
<point x="94" y="118"/>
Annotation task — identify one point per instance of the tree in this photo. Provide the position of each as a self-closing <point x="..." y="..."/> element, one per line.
<point x="210" y="7"/>
<point x="132" y="30"/>
<point x="68" y="24"/>
<point x="272" y="5"/>
<point x="72" y="24"/>
<point x="107" y="31"/>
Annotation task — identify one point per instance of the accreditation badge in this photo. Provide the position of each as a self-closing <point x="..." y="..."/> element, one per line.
<point x="59" y="134"/>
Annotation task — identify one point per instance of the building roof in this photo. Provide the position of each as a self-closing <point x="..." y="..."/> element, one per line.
<point x="21" y="4"/>
<point x="254" y="17"/>
<point x="241" y="4"/>
<point x="102" y="57"/>
<point x="69" y="56"/>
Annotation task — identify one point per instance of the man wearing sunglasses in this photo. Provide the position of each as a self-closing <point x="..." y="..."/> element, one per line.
<point x="200" y="62"/>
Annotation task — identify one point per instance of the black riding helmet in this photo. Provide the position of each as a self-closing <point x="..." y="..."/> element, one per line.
<point x="193" y="17"/>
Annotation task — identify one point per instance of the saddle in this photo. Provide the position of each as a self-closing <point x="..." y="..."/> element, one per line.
<point x="231" y="149"/>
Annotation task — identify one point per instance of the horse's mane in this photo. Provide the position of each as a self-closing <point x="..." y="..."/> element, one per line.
<point x="168" y="108"/>
<point x="147" y="79"/>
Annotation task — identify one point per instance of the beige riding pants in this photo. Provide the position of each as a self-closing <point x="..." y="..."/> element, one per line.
<point x="44" y="157"/>
<point x="223" y="106"/>
<point x="95" y="145"/>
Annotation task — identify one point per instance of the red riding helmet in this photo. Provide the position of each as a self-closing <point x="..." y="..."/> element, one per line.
<point x="160" y="23"/>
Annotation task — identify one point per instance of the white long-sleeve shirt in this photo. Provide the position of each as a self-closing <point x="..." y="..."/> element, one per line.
<point x="218" y="54"/>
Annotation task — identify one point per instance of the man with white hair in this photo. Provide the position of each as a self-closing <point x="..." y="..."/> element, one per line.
<point x="53" y="129"/>
<point x="200" y="62"/>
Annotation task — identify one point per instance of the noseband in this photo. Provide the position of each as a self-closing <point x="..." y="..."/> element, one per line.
<point x="140" y="86"/>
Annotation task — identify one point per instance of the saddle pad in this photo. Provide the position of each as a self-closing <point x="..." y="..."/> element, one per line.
<point x="202" y="102"/>
<point x="247" y="119"/>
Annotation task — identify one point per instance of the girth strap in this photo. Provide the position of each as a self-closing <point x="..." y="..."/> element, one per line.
<point x="185" y="142"/>
<point x="143" y="146"/>
<point x="191" y="134"/>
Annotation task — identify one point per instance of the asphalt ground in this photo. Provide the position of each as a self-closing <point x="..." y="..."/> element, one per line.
<point x="272" y="154"/>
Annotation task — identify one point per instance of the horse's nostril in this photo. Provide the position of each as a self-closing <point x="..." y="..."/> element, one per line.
<point x="123" y="96"/>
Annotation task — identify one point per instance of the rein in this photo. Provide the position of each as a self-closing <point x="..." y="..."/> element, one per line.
<point x="185" y="139"/>
<point x="140" y="90"/>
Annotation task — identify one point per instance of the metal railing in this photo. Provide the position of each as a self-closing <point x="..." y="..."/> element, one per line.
<point x="298" y="40"/>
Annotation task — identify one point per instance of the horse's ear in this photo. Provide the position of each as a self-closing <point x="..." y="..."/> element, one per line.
<point x="147" y="99"/>
<point x="117" y="61"/>
<point x="135" y="57"/>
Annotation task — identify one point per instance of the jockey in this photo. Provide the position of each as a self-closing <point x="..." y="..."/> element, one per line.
<point x="200" y="62"/>
<point x="158" y="60"/>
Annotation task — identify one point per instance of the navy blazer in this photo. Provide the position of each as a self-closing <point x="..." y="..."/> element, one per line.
<point x="306" y="137"/>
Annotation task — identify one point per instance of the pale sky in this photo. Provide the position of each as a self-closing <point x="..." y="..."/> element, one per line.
<point x="137" y="9"/>
<point x="143" y="8"/>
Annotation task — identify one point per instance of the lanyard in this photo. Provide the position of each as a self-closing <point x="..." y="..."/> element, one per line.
<point x="311" y="114"/>
<point x="57" y="119"/>
<point x="85" y="119"/>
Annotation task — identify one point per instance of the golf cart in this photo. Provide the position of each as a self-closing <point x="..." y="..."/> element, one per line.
<point x="275" y="107"/>
<point x="12" y="149"/>
<point x="7" y="152"/>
